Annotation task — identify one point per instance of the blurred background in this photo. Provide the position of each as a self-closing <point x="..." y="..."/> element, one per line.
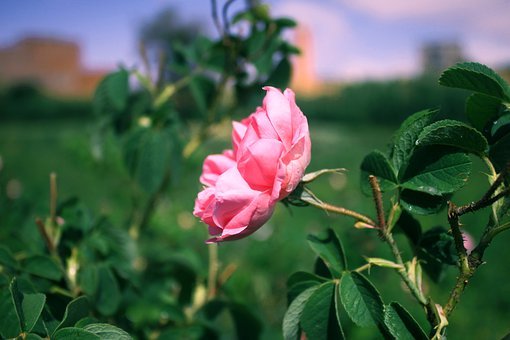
<point x="364" y="67"/>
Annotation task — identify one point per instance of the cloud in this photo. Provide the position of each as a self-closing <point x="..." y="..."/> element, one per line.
<point x="396" y="9"/>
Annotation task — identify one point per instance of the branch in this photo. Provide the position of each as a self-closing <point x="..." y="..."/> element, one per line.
<point x="469" y="264"/>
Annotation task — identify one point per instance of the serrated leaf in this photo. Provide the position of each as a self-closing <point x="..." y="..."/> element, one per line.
<point x="293" y="314"/>
<point x="28" y="307"/>
<point x="421" y="203"/>
<point x="499" y="153"/>
<point x="401" y="324"/>
<point x="17" y="300"/>
<point x="108" y="293"/>
<point x="299" y="282"/>
<point x="361" y="300"/>
<point x="406" y="136"/>
<point x="318" y="319"/>
<point x="74" y="333"/>
<point x="107" y="332"/>
<point x="76" y="310"/>
<point x="43" y="266"/>
<point x="482" y="109"/>
<point x="501" y="126"/>
<point x="330" y="250"/>
<point x="9" y="322"/>
<point x="376" y="163"/>
<point x="32" y="305"/>
<point x="437" y="171"/>
<point x="476" y="77"/>
<point x="453" y="133"/>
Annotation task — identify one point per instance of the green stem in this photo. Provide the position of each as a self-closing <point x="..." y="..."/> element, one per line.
<point x="340" y="210"/>
<point x="213" y="271"/>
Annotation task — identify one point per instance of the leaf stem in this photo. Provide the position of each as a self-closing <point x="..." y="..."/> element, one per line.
<point x="316" y="202"/>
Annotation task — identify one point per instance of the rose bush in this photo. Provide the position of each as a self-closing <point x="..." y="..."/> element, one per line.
<point x="270" y="152"/>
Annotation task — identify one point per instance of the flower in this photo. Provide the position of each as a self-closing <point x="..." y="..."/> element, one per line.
<point x="270" y="152"/>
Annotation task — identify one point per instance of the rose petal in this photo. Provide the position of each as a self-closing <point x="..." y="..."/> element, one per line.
<point x="258" y="164"/>
<point x="215" y="165"/>
<point x="278" y="110"/>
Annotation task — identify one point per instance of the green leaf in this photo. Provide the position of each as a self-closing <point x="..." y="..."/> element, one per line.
<point x="247" y="325"/>
<point x="293" y="314"/>
<point x="299" y="282"/>
<point x="32" y="305"/>
<point x="202" y="88"/>
<point x="476" y="77"/>
<point x="436" y="251"/>
<point x="74" y="333"/>
<point x="285" y="22"/>
<point x="376" y="163"/>
<point x="401" y="324"/>
<point x="437" y="171"/>
<point x="501" y="126"/>
<point x="107" y="332"/>
<point x="88" y="279"/>
<point x="406" y="136"/>
<point x="17" y="299"/>
<point x="33" y="336"/>
<point x="482" y="109"/>
<point x="6" y="258"/>
<point x="28" y="307"/>
<point x="499" y="153"/>
<point x="76" y="310"/>
<point x="330" y="250"/>
<point x="147" y="155"/>
<point x="318" y="319"/>
<point x="43" y="266"/>
<point x="361" y="300"/>
<point x="9" y="322"/>
<point x="112" y="93"/>
<point x="453" y="133"/>
<point x="280" y="77"/>
<point x="421" y="203"/>
<point x="108" y="293"/>
<point x="410" y="226"/>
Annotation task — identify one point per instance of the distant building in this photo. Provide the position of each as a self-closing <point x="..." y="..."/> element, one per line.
<point x="52" y="64"/>
<point x="304" y="77"/>
<point x="438" y="56"/>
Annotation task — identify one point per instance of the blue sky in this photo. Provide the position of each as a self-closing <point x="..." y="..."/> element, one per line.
<point x="353" y="39"/>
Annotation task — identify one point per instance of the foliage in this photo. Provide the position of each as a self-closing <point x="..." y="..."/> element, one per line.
<point x="85" y="276"/>
<point x="386" y="102"/>
<point x="25" y="101"/>
<point x="129" y="276"/>
<point x="425" y="164"/>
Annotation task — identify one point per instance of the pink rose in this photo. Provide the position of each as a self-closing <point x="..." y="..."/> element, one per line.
<point x="271" y="150"/>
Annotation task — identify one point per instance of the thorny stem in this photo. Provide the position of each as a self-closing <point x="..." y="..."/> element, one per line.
<point x="388" y="238"/>
<point x="468" y="264"/>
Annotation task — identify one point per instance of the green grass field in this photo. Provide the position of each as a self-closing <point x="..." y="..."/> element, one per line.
<point x="264" y="261"/>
